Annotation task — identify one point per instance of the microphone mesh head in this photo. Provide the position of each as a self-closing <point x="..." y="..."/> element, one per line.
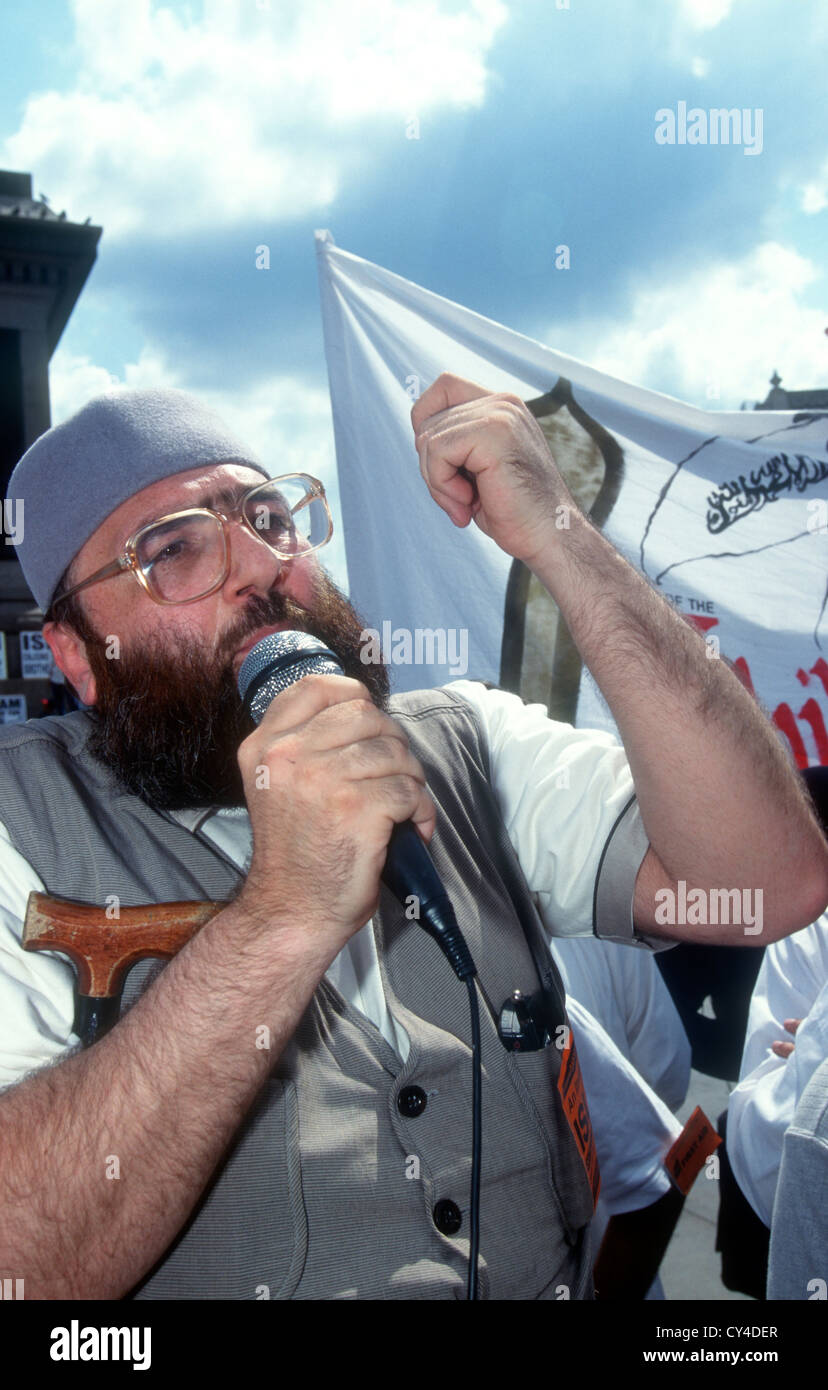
<point x="310" y="657"/>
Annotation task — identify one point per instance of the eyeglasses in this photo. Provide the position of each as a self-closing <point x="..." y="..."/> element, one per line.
<point x="185" y="555"/>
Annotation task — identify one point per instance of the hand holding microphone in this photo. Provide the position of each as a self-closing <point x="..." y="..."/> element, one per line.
<point x="378" y="779"/>
<point x="327" y="775"/>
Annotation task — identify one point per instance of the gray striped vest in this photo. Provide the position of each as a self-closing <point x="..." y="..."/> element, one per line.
<point x="329" y="1190"/>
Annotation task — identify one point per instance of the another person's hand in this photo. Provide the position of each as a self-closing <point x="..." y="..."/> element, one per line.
<point x="784" y="1049"/>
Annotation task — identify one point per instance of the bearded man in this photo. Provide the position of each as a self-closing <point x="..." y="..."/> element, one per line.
<point x="288" y="1099"/>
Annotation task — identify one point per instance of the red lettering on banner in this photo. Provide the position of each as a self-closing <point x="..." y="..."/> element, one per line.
<point x="783" y="716"/>
<point x="701" y="624"/>
<point x="743" y="671"/>
<point x="820" y="668"/>
<point x="785" y="719"/>
<point x="813" y="714"/>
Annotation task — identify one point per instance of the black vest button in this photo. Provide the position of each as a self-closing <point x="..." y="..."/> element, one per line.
<point x="447" y="1217"/>
<point x="412" y="1101"/>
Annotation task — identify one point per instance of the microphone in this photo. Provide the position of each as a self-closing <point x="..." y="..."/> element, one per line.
<point x="277" y="662"/>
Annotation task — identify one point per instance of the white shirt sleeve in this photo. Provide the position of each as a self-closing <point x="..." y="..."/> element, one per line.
<point x="568" y="803"/>
<point x="36" y="987"/>
<point x="792" y="983"/>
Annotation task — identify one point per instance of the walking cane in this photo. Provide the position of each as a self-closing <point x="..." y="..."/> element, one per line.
<point x="103" y="948"/>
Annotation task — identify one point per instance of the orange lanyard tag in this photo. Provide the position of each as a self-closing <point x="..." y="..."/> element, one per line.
<point x="687" y="1155"/>
<point x="573" y="1099"/>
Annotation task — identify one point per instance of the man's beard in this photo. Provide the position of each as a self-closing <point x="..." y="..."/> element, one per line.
<point x="169" y="724"/>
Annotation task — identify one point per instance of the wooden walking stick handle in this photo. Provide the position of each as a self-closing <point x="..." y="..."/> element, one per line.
<point x="102" y="947"/>
<point x="103" y="943"/>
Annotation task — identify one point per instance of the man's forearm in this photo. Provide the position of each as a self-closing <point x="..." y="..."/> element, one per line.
<point x="719" y="799"/>
<point x="721" y="804"/>
<point x="163" y="1093"/>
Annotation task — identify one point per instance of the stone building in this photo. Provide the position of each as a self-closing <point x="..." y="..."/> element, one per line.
<point x="780" y="399"/>
<point x="44" y="262"/>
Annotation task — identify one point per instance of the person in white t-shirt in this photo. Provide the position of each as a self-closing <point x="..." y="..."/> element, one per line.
<point x="787" y="1039"/>
<point x="624" y="991"/>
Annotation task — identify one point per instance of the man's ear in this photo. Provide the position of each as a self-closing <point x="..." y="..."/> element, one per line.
<point x="69" y="652"/>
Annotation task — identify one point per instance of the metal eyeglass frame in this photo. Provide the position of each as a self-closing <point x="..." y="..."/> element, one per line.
<point x="128" y="562"/>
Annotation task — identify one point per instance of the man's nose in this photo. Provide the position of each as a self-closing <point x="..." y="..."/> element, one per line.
<point x="253" y="564"/>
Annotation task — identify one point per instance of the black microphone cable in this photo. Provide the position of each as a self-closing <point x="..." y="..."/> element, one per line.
<point x="437" y="917"/>
<point x="277" y="662"/>
<point x="477" y="1142"/>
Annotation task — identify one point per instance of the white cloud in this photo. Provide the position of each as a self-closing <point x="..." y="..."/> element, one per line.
<point x="175" y="123"/>
<point x="705" y="14"/>
<point x="714" y="336"/>
<point x="283" y="419"/>
<point x="815" y="194"/>
<point x="74" y="379"/>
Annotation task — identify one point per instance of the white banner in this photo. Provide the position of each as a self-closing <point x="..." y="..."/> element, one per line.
<point x="726" y="513"/>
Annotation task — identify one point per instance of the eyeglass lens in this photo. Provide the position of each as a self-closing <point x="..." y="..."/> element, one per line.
<point x="185" y="557"/>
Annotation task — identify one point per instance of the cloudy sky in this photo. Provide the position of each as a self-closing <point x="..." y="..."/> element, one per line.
<point x="455" y="142"/>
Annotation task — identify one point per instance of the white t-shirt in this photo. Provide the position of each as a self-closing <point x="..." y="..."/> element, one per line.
<point x="633" y="1129"/>
<point x="792" y="983"/>
<point x="566" y="796"/>
<point x="624" y="991"/>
